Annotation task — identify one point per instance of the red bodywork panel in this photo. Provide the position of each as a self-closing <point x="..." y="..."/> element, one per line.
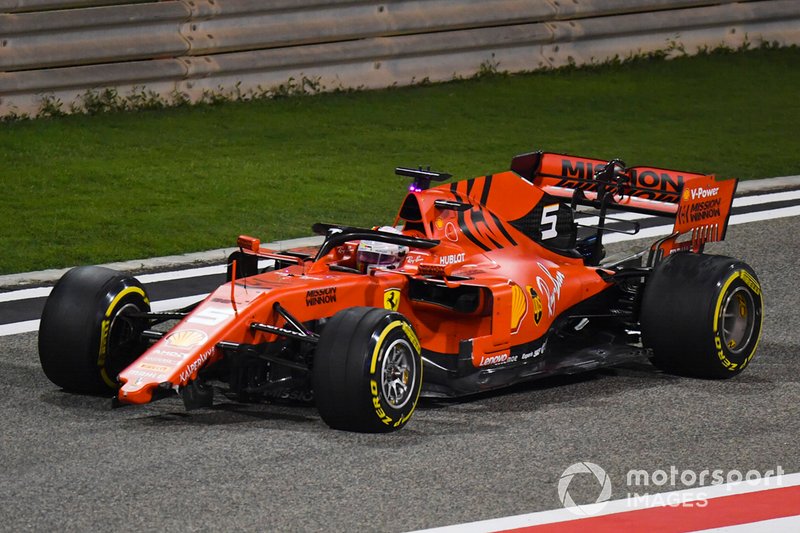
<point x="486" y="243"/>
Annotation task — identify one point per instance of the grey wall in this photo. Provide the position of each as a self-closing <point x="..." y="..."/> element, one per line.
<point x="64" y="47"/>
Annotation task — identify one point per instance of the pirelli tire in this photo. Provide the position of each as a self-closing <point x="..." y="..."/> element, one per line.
<point x="701" y="315"/>
<point x="85" y="336"/>
<point x="367" y="373"/>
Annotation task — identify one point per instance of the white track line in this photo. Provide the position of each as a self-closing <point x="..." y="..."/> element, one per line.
<point x="619" y="506"/>
<point x="737" y="202"/>
<point x="658" y="231"/>
<point x="758" y="198"/>
<point x="163" y="305"/>
<point x="183" y="274"/>
<point x="41" y="292"/>
<point x="19" y="327"/>
<point x="25" y="294"/>
<point x="788" y="524"/>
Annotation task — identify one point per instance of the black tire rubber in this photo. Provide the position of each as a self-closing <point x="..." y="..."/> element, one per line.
<point x="350" y="365"/>
<point x="83" y="342"/>
<point x="682" y="315"/>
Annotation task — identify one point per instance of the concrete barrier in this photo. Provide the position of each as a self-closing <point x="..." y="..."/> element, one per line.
<point x="59" y="49"/>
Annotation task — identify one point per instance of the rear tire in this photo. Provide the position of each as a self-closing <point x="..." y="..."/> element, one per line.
<point x="367" y="373"/>
<point x="701" y="315"/>
<point x="85" y="340"/>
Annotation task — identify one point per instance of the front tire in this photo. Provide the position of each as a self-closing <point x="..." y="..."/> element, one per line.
<point x="367" y="373"/>
<point x="85" y="336"/>
<point x="702" y="315"/>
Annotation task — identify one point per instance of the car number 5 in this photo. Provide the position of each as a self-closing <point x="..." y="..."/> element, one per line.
<point x="549" y="219"/>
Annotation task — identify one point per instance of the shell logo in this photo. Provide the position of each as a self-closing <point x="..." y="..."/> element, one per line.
<point x="537" y="305"/>
<point x="186" y="338"/>
<point x="686" y="194"/>
<point x="519" y="306"/>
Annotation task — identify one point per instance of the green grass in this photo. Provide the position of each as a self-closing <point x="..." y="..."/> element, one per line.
<point x="93" y="189"/>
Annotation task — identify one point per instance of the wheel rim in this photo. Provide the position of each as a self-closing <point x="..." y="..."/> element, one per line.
<point x="123" y="339"/>
<point x="738" y="320"/>
<point x="398" y="372"/>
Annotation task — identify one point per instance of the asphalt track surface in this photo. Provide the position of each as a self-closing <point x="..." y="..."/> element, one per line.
<point x="71" y="463"/>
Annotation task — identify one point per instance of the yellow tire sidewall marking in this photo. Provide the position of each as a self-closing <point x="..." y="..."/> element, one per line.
<point x="374" y="364"/>
<point x="722" y="294"/>
<point x="105" y="328"/>
<point x="751" y="283"/>
<point x="388" y="329"/>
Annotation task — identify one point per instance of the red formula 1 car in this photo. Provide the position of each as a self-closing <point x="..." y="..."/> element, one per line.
<point x="490" y="281"/>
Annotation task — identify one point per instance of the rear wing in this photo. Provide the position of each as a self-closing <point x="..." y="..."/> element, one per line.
<point x="700" y="204"/>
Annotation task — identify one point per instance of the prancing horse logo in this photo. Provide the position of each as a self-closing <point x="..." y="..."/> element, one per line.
<point x="391" y="299"/>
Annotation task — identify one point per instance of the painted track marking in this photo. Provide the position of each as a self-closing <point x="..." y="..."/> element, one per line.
<point x="727" y="505"/>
